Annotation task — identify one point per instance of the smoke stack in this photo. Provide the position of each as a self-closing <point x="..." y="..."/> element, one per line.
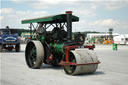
<point x="69" y="25"/>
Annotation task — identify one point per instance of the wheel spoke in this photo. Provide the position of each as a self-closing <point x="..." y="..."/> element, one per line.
<point x="32" y="56"/>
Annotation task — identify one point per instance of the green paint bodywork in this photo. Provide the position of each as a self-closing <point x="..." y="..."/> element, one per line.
<point x="58" y="48"/>
<point x="41" y="38"/>
<point x="50" y="19"/>
<point x="33" y="38"/>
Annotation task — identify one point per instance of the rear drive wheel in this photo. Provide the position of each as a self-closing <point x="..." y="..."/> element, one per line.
<point x="34" y="54"/>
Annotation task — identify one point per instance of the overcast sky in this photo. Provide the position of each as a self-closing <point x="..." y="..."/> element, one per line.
<point x="95" y="15"/>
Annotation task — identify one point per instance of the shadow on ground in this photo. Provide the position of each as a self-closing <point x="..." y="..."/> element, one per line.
<point x="92" y="74"/>
<point x="12" y="51"/>
<point x="45" y="66"/>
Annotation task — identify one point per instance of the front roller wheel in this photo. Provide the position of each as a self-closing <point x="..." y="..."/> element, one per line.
<point x="34" y="54"/>
<point x="86" y="59"/>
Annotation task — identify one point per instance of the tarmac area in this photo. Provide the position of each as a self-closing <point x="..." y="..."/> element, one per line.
<point x="113" y="69"/>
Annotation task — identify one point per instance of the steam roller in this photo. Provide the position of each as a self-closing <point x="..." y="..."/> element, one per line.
<point x="58" y="47"/>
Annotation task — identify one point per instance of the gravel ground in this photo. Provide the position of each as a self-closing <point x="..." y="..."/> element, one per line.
<point x="113" y="70"/>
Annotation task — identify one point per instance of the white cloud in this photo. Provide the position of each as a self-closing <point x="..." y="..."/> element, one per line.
<point x="114" y="5"/>
<point x="78" y="8"/>
<point x="101" y="25"/>
<point x="51" y="1"/>
<point x="106" y="22"/>
<point x="30" y="14"/>
<point x="82" y="11"/>
<point x="111" y="4"/>
<point x="43" y="4"/>
<point x="21" y="1"/>
<point x="6" y="10"/>
<point x="1" y="18"/>
<point x="43" y="1"/>
<point x="13" y="19"/>
<point x="18" y="1"/>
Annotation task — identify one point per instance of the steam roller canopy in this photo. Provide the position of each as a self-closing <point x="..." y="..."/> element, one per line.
<point x="81" y="57"/>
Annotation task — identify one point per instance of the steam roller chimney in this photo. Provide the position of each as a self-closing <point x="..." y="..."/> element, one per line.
<point x="69" y="25"/>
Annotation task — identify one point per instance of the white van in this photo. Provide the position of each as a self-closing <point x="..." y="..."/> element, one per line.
<point x="121" y="39"/>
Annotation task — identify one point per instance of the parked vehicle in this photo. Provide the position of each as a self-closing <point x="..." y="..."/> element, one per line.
<point x="121" y="39"/>
<point x="9" y="40"/>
